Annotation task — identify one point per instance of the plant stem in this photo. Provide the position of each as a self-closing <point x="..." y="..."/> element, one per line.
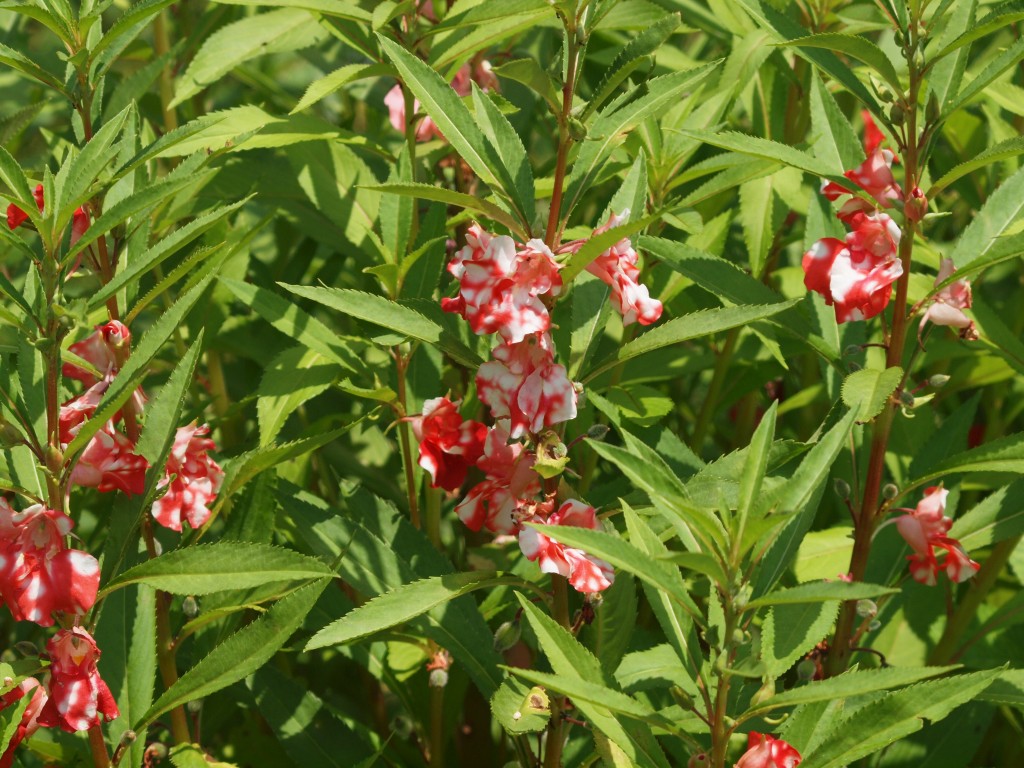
<point x="401" y="366"/>
<point x="719" y="728"/>
<point x="707" y="410"/>
<point x="560" y="612"/>
<point x="98" y="747"/>
<point x="555" y="225"/>
<point x="432" y="516"/>
<point x="165" y="644"/>
<point x="946" y="651"/>
<point x="161" y="45"/>
<point x="867" y="520"/>
<point x="437" y="727"/>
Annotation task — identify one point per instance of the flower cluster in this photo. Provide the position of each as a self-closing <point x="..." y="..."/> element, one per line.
<point x="79" y="219"/>
<point x="507" y="289"/>
<point x="856" y="274"/>
<point x="39" y="575"/>
<point x="925" y="529"/>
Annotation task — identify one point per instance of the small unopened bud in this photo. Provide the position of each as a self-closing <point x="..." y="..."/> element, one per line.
<point x="598" y="432"/>
<point x="190" y="607"/>
<point x="698" y="761"/>
<point x="27" y="649"/>
<point x="401" y="726"/>
<point x="867" y="609"/>
<point x="853" y="367"/>
<point x="577" y="130"/>
<point x="9" y="435"/>
<point x="54" y="459"/>
<point x="842" y="487"/>
<point x="853" y="349"/>
<point x="890" y="491"/>
<point x="438" y="678"/>
<point x="916" y="205"/>
<point x="933" y="111"/>
<point x="907" y="399"/>
<point x="128" y="737"/>
<point x="806" y="670"/>
<point x="195" y="706"/>
<point x="739" y="637"/>
<point x="876" y="624"/>
<point x="156" y="751"/>
<point x="682" y="698"/>
<point x="896" y="114"/>
<point x="506" y="636"/>
<point x="938" y="380"/>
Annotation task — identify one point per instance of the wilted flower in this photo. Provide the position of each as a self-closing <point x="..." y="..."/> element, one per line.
<point x="948" y="304"/>
<point x="764" y="751"/>
<point x="29" y="718"/>
<point x="38" y="573"/>
<point x="192" y="480"/>
<point x="924" y="529"/>
<point x="525" y="385"/>
<point x="856" y="276"/>
<point x="448" y="446"/>
<point x="585" y="572"/>
<point x="78" y="695"/>
<point x="510" y="484"/>
<point x="109" y="463"/>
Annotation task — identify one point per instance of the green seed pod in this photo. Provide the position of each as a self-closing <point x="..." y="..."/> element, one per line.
<point x="907" y="399"/>
<point x="190" y="607"/>
<point x="577" y="130"/>
<point x="896" y="114"/>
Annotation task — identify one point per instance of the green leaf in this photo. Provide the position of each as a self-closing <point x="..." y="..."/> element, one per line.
<point x="1001" y="151"/>
<point x="836" y="143"/>
<point x="998" y="517"/>
<point x="510" y="149"/>
<point x="294" y="377"/>
<point x="1003" y="455"/>
<point x="687" y="327"/>
<point x="867" y="392"/>
<point x="610" y="633"/>
<point x="998" y="19"/>
<point x="897" y="715"/>
<point x="1001" y="210"/>
<point x="241" y="654"/>
<point x="598" y="244"/>
<point x="18" y="190"/>
<point x="844" y="686"/>
<point x="206" y="568"/>
<point x="342" y="9"/>
<point x="288" y="29"/>
<point x="136" y="15"/>
<point x="389" y="314"/>
<point x="790" y="631"/>
<point x="164" y="410"/>
<point x="335" y="80"/>
<point x="1004" y="61"/>
<point x="757" y="216"/>
<point x="754" y="468"/>
<point x="519" y="708"/>
<point x="531" y="74"/>
<point x="455" y="122"/>
<point x="451" y="197"/>
<point x="10" y="720"/>
<point x="403" y="604"/>
<point x="819" y="592"/>
<point x="946" y="75"/>
<point x="755" y="146"/>
<point x="137" y="366"/>
<point x="27" y="67"/>
<point x="856" y="47"/>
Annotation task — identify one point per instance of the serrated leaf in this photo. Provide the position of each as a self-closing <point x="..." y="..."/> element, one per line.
<point x="294" y="377"/>
<point x="1003" y="208"/>
<point x="867" y="392"/>
<point x="451" y="197"/>
<point x="791" y="631"/>
<point x="342" y="9"/>
<point x="164" y="410"/>
<point x="821" y="591"/>
<point x="687" y="327"/>
<point x="335" y="80"/>
<point x="207" y="568"/>
<point x="836" y="143"/>
<point x="241" y="654"/>
<point x="529" y="73"/>
<point x="996" y="20"/>
<point x="513" y="706"/>
<point x="598" y="244"/>
<point x="998" y="517"/>
<point x="857" y="47"/>
<point x="403" y="604"/>
<point x="1003" y="455"/>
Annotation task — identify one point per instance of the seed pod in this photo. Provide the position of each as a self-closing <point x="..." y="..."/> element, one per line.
<point x="806" y="670"/>
<point x="577" y="130"/>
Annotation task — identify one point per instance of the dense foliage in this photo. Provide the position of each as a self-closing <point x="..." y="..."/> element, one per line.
<point x="535" y="382"/>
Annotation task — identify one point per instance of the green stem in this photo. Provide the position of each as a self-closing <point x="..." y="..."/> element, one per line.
<point x="432" y="516"/>
<point x="555" y="225"/>
<point x="707" y="410"/>
<point x="437" y="727"/>
<point x="560" y="612"/>
<point x="719" y="726"/>
<point x="401" y="366"/>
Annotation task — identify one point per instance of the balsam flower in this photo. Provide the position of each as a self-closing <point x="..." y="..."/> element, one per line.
<point x="78" y="695"/>
<point x="617" y="268"/>
<point x="29" y="723"/>
<point x="109" y="463"/>
<point x="105" y="349"/>
<point x="948" y="304"/>
<point x="510" y="485"/>
<point x="448" y="446"/>
<point x="39" y="575"/>
<point x="875" y="177"/>
<point x="764" y="751"/>
<point x="585" y="572"/>
<point x="192" y="480"/>
<point x="924" y="529"/>
<point x="856" y="275"/>
<point x="525" y="385"/>
<point x="79" y="219"/>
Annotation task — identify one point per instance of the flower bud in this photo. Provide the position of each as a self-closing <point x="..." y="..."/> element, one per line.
<point x="938" y="380"/>
<point x="933" y="111"/>
<point x="577" y="130"/>
<point x="853" y="367"/>
<point x="842" y="487"/>
<point x="867" y="609"/>
<point x="156" y="752"/>
<point x="916" y="205"/>
<point x="890" y="491"/>
<point x="876" y="624"/>
<point x="806" y="670"/>
<point x="190" y="607"/>
<point x="699" y="760"/>
<point x="128" y="737"/>
<point x="54" y="459"/>
<point x="9" y="434"/>
<point x="438" y="678"/>
<point x="27" y="649"/>
<point x="195" y="706"/>
<point x="506" y="636"/>
<point x="598" y="432"/>
<point x="853" y="349"/>
<point x="907" y="399"/>
<point x="401" y="726"/>
<point x="897" y="115"/>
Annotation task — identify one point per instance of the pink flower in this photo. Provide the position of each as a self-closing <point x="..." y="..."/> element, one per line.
<point x="75" y="411"/>
<point x="106" y="350"/>
<point x="192" y="480"/>
<point x="617" y="268"/>
<point x="499" y="286"/>
<point x="510" y="485"/>
<point x="873" y="136"/>
<point x="462" y="84"/>
<point x="924" y="529"/>
<point x="948" y="304"/>
<point x="109" y="463"/>
<point x="29" y="718"/>
<point x="875" y="177"/>
<point x="38" y="573"/>
<point x="764" y="751"/>
<point x="585" y="572"/>
<point x="449" y="446"/>
<point x="78" y="695"/>
<point x="79" y="219"/>
<point x="525" y="385"/>
<point x="856" y="275"/>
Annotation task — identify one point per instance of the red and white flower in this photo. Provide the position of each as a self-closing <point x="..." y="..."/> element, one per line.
<point x="948" y="304"/>
<point x="875" y="177"/>
<point x="109" y="463"/>
<point x="39" y="575"/>
<point x="617" y="268"/>
<point x="75" y="411"/>
<point x="856" y="275"/>
<point x="192" y="480"/>
<point x="924" y="529"/>
<point x="510" y="486"/>
<point x="105" y="349"/>
<point x="449" y="446"/>
<point x="500" y="286"/>
<point x="29" y="718"/>
<point x="78" y="695"/>
<point x="79" y="219"/>
<point x="585" y="572"/>
<point x="525" y="385"/>
<point x="764" y="751"/>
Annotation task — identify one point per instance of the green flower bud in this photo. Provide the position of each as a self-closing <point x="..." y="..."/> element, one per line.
<point x="806" y="670"/>
<point x="897" y="115"/>
<point x="907" y="399"/>
<point x="577" y="130"/>
<point x="506" y="636"/>
<point x="890" y="491"/>
<point x="874" y="625"/>
<point x="867" y="609"/>
<point x="401" y="726"/>
<point x="938" y="380"/>
<point x="190" y="607"/>
<point x="195" y="706"/>
<point x="842" y="488"/>
<point x="438" y="678"/>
